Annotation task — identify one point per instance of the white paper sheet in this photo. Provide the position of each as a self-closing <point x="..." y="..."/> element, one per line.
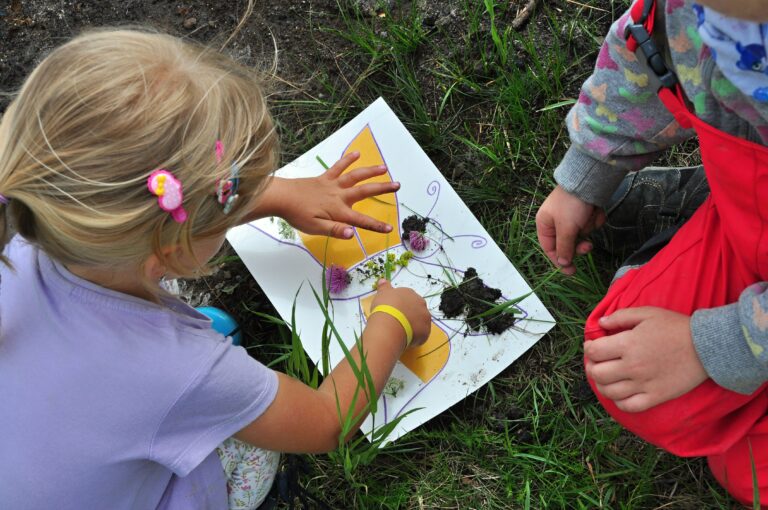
<point x="459" y="361"/>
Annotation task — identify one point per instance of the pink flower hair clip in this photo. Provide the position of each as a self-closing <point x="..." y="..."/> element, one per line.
<point x="169" y="193"/>
<point x="226" y="189"/>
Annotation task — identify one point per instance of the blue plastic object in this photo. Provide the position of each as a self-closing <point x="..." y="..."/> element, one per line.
<point x="223" y="323"/>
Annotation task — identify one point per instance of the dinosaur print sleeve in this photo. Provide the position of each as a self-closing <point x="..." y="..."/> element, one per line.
<point x="618" y="124"/>
<point x="732" y="340"/>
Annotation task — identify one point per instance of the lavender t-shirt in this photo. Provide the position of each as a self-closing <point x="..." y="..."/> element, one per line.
<point x="110" y="401"/>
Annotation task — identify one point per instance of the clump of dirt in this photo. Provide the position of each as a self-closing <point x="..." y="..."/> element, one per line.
<point x="414" y="224"/>
<point x="473" y="298"/>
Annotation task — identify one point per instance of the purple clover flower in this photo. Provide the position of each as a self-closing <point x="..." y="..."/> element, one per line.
<point x="337" y="278"/>
<point x="417" y="240"/>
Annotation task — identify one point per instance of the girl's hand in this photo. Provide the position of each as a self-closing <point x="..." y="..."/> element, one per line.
<point x="561" y="220"/>
<point x="651" y="361"/>
<point x="283" y="426"/>
<point x="411" y="304"/>
<point x="323" y="205"/>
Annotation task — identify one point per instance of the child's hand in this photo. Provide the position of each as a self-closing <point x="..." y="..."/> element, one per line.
<point x="561" y="219"/>
<point x="653" y="360"/>
<point x="411" y="304"/>
<point x="283" y="426"/>
<point x="323" y="205"/>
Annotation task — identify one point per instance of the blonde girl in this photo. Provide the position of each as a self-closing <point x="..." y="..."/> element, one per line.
<point x="124" y="158"/>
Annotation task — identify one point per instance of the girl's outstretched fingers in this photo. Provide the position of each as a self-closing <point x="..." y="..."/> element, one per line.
<point x="338" y="168"/>
<point x="368" y="223"/>
<point x="361" y="174"/>
<point x="372" y="189"/>
<point x="336" y="229"/>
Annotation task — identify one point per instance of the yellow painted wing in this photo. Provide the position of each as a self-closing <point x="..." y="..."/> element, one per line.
<point x="426" y="360"/>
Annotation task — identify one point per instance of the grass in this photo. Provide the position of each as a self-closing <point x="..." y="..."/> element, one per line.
<point x="488" y="105"/>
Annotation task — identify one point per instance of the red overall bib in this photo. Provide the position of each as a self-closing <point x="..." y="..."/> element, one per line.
<point x="719" y="252"/>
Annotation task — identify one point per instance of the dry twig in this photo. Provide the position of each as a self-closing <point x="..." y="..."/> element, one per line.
<point x="524" y="14"/>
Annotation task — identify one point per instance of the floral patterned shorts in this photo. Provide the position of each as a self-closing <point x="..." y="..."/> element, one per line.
<point x="250" y="472"/>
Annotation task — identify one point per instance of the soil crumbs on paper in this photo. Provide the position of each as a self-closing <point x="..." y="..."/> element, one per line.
<point x="477" y="301"/>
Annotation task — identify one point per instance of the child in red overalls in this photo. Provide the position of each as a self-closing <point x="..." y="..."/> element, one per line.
<point x="677" y="351"/>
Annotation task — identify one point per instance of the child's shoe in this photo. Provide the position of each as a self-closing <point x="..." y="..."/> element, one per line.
<point x="647" y="203"/>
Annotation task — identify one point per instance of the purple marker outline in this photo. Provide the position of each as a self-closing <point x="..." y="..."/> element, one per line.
<point x="481" y="241"/>
<point x="436" y="186"/>
<point x="478" y="243"/>
<point x="359" y="242"/>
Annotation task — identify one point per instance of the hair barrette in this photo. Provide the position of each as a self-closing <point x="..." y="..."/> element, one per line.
<point x="169" y="193"/>
<point x="4" y="200"/>
<point x="226" y="189"/>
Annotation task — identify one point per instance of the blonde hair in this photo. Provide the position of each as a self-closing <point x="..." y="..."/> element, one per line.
<point x="102" y="112"/>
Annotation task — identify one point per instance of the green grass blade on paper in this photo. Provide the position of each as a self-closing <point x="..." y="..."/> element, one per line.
<point x="387" y="264"/>
<point x="433" y="223"/>
<point x="364" y="381"/>
<point x="322" y="163"/>
<point x="361" y="450"/>
<point x="325" y="342"/>
<point x="359" y="374"/>
<point x="347" y="417"/>
<point x="387" y="267"/>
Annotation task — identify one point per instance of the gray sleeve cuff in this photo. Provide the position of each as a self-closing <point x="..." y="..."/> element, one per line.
<point x="591" y="180"/>
<point x="723" y="350"/>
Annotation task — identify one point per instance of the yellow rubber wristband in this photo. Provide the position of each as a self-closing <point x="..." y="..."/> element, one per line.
<point x="401" y="318"/>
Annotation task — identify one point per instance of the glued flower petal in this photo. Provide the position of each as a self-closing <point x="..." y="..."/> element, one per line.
<point x="337" y="278"/>
<point x="417" y="241"/>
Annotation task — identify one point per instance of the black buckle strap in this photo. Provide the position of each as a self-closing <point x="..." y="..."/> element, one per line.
<point x="649" y="49"/>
